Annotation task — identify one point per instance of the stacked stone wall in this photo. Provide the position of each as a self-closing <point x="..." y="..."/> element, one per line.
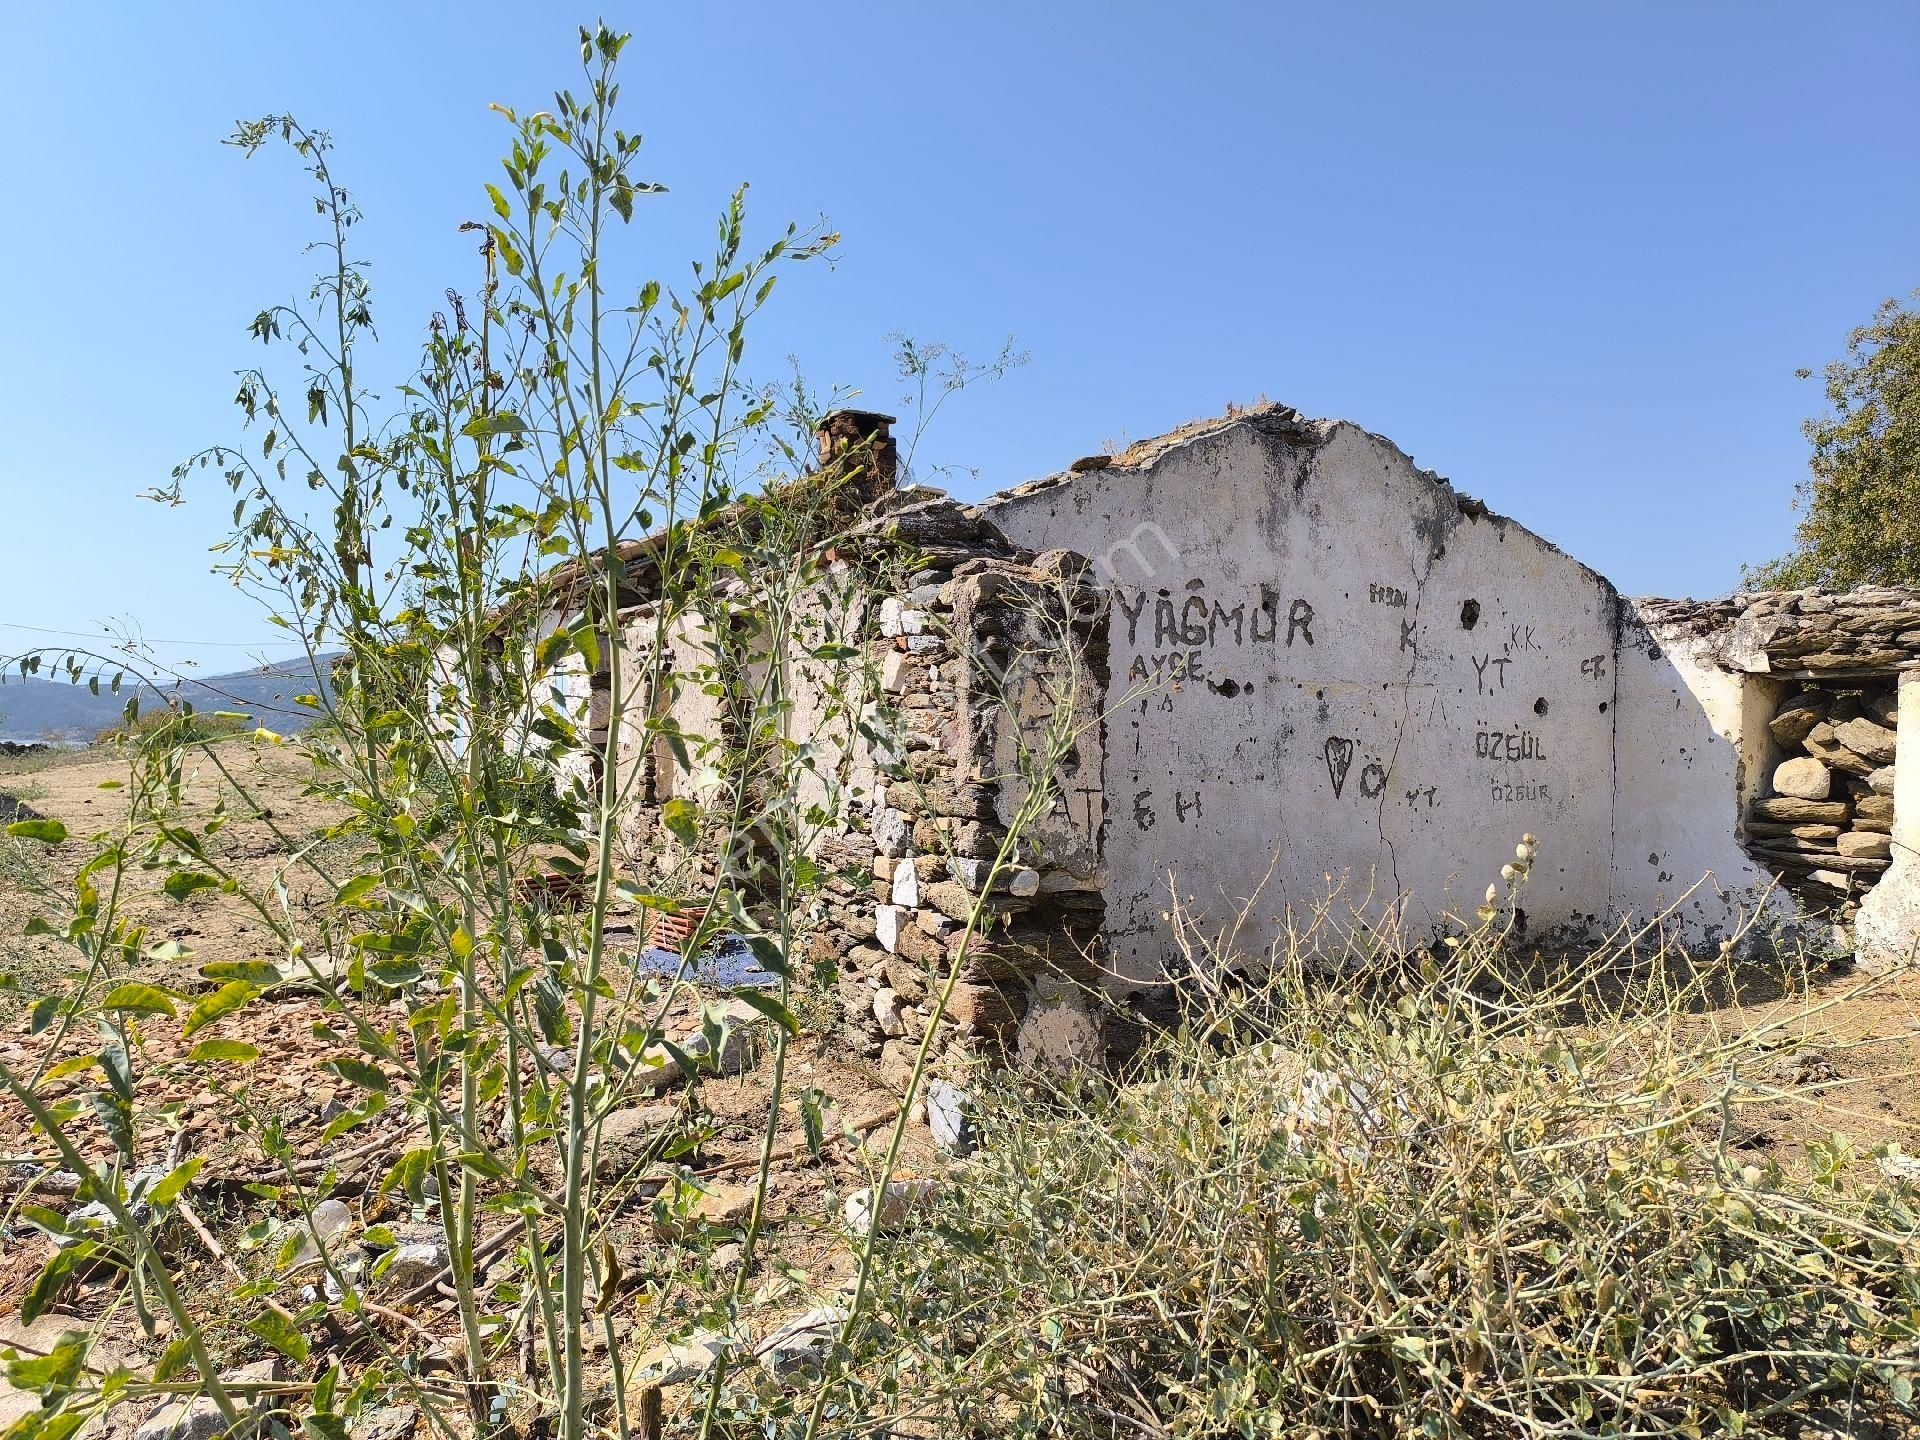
<point x="955" y="660"/>
<point x="975" y="656"/>
<point x="1813" y="635"/>
<point x="1825" y="824"/>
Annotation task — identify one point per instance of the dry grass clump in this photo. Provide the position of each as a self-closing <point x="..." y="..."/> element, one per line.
<point x="187" y="725"/>
<point x="1415" y="1200"/>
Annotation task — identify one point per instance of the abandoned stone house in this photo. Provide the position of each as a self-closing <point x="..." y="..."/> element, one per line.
<point x="1305" y="684"/>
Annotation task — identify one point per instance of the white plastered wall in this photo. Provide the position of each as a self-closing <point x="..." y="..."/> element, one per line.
<point x="1691" y="750"/>
<point x="1336" y="671"/>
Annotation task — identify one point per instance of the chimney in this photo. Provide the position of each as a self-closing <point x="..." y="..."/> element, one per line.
<point x="859" y="444"/>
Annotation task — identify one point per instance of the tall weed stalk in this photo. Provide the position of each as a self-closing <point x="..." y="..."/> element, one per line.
<point x="581" y="519"/>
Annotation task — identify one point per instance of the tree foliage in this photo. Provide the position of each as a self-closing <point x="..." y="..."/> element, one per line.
<point x="1860" y="506"/>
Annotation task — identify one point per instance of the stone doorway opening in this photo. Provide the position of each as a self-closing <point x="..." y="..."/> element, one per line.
<point x="1822" y="817"/>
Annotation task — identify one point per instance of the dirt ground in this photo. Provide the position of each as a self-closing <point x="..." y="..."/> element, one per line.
<point x="221" y="1112"/>
<point x="1847" y="1062"/>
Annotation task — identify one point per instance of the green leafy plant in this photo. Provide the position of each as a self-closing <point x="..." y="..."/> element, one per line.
<point x="582" y="518"/>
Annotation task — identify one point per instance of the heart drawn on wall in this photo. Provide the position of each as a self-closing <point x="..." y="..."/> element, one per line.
<point x="1339" y="761"/>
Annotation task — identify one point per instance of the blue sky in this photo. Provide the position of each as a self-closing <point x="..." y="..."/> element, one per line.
<point x="1569" y="256"/>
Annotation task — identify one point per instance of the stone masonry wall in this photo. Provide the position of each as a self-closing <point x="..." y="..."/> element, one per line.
<point x="975" y="657"/>
<point x="1328" y="669"/>
<point x="1340" y="688"/>
<point x="967" y="653"/>
<point x="1826" y="827"/>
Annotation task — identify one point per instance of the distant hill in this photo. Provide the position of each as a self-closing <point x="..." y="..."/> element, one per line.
<point x="52" y="710"/>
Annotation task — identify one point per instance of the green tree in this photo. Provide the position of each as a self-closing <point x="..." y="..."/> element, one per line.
<point x="1860" y="506"/>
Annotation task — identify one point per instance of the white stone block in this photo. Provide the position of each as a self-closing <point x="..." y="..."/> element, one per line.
<point x="1058" y="1032"/>
<point x="949" y="1117"/>
<point x="893" y="672"/>
<point x="898" y="1203"/>
<point x="891" y="1011"/>
<point x="1803" y="777"/>
<point x="891" y="833"/>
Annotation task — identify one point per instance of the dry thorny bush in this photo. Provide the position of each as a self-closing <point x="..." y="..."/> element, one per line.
<point x="1435" y="1196"/>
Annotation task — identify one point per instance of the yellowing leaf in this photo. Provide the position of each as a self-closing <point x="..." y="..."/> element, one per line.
<point x="224" y="1001"/>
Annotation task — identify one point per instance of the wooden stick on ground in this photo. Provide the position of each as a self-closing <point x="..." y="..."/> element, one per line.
<point x="407" y="1320"/>
<point x="213" y="1247"/>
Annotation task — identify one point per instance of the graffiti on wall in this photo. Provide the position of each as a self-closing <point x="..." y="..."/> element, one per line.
<point x="1173" y="636"/>
<point x="1380" y="724"/>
